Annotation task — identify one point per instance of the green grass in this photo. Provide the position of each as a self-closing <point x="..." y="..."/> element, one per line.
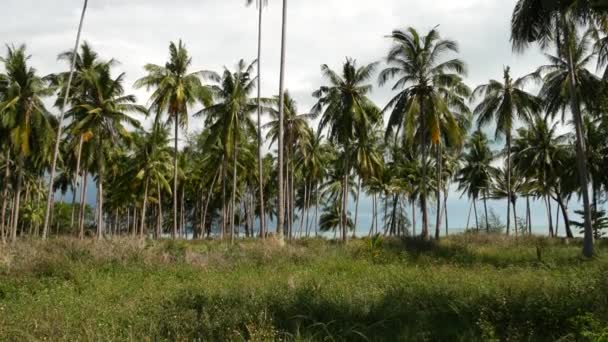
<point x="465" y="288"/>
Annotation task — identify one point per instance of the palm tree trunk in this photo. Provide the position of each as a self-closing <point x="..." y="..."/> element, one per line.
<point x="413" y="218"/>
<point x="580" y="146"/>
<point x="280" y="216"/>
<point x="49" y="201"/>
<point x="557" y="220"/>
<point x="174" y="232"/>
<point x="345" y="203"/>
<point x="476" y="218"/>
<point x="469" y="216"/>
<point x="529" y="215"/>
<point x="224" y="209"/>
<point x="232" y="217"/>
<point x="438" y="193"/>
<point x="394" y="215"/>
<point x="292" y="197"/>
<point x="209" y="197"/>
<point x="303" y="209"/>
<point x="508" y="183"/>
<point x="76" y="175"/>
<point x="143" y="209"/>
<point x="445" y="211"/>
<point x="81" y="212"/>
<point x="7" y="173"/>
<point x="564" y="208"/>
<point x="16" y="204"/>
<point x="318" y="198"/>
<point x="549" y="215"/>
<point x="357" y="205"/>
<point x="100" y="226"/>
<point x="260" y="159"/>
<point x="485" y="208"/>
<point x="159" y="225"/>
<point x="515" y="217"/>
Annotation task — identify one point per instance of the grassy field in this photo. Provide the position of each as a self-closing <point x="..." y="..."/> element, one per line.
<point x="465" y="288"/>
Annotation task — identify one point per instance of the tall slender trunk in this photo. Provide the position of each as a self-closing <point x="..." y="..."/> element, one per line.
<point x="485" y="208"/>
<point x="508" y="182"/>
<point x="303" y="209"/>
<point x="414" y="218"/>
<point x="549" y="215"/>
<point x="529" y="214"/>
<point x="345" y="201"/>
<point x="307" y="205"/>
<point x="469" y="216"/>
<point x="394" y="215"/>
<point x="445" y="211"/>
<point x="515" y="216"/>
<point x="159" y="224"/>
<point x="438" y="192"/>
<point x="49" y="201"/>
<point x="100" y="223"/>
<point x="83" y="204"/>
<point x="7" y="173"/>
<point x="76" y="185"/>
<point x="16" y="203"/>
<point x="175" y="224"/>
<point x="376" y="212"/>
<point x="580" y="145"/>
<point x="292" y="197"/>
<point x="209" y="196"/>
<point x="224" y="209"/>
<point x="232" y="217"/>
<point x="423" y="195"/>
<point x="476" y="217"/>
<point x="372" y="227"/>
<point x="318" y="198"/>
<point x="280" y="216"/>
<point x="564" y="208"/>
<point x="143" y="209"/>
<point x="357" y="205"/>
<point x="557" y="220"/>
<point x="260" y="159"/>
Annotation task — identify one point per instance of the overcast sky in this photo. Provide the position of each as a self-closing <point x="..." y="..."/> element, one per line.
<point x="220" y="32"/>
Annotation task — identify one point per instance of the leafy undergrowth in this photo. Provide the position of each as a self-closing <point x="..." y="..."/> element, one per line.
<point x="465" y="288"/>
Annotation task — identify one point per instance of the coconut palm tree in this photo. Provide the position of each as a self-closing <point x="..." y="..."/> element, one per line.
<point x="229" y="118"/>
<point x="347" y="113"/>
<point x="105" y="114"/>
<point x="260" y="6"/>
<point x="538" y="153"/>
<point x="427" y="88"/>
<point x="25" y="117"/>
<point x="505" y="103"/>
<point x="176" y="90"/>
<point x="59" y="127"/>
<point x="475" y="176"/>
<point x="539" y="21"/>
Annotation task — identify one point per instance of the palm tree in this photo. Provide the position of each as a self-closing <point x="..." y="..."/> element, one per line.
<point x="281" y="205"/>
<point x="538" y="153"/>
<point x="104" y="114"/>
<point x="86" y="66"/>
<point x="427" y="88"/>
<point x="49" y="201"/>
<point x="151" y="165"/>
<point x="228" y="119"/>
<point x="260" y="5"/>
<point x="508" y="186"/>
<point x="175" y="91"/>
<point x="505" y="103"/>
<point x="537" y="21"/>
<point x="27" y="120"/>
<point x="347" y="112"/>
<point x="475" y="176"/>
<point x="297" y="134"/>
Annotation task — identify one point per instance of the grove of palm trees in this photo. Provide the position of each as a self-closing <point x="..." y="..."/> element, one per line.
<point x="280" y="221"/>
